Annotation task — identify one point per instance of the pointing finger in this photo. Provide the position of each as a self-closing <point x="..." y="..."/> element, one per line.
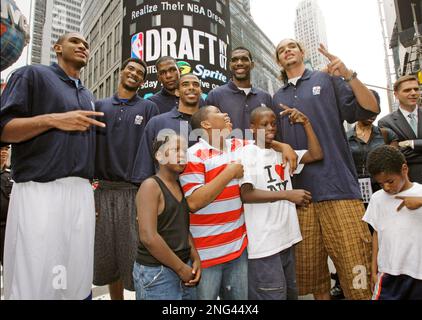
<point x="325" y="52"/>
<point x="91" y="113"/>
<point x="94" y="122"/>
<point x="400" y="206"/>
<point x="285" y="113"/>
<point x="284" y="107"/>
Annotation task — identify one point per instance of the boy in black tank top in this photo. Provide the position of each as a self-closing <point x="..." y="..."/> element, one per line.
<point x="168" y="266"/>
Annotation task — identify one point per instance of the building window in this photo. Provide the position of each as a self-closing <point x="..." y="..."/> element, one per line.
<point x="214" y="28"/>
<point x="108" y="87"/>
<point x="90" y="73"/>
<point x="117" y="37"/>
<point x="96" y="63"/>
<point x="187" y="20"/>
<point x="132" y="28"/>
<point x="156" y="20"/>
<point x="116" y="79"/>
<point x="100" y="91"/>
<point x="108" y="56"/>
<point x="219" y="7"/>
<point x="102" y="60"/>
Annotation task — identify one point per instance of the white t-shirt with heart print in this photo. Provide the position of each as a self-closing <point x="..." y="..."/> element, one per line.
<point x="271" y="227"/>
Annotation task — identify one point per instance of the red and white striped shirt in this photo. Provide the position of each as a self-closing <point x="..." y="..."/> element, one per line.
<point x="219" y="229"/>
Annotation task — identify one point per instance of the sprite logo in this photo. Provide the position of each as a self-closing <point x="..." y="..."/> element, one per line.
<point x="184" y="67"/>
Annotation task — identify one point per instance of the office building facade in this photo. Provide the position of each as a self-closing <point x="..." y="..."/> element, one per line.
<point x="52" y="18"/>
<point x="310" y="31"/>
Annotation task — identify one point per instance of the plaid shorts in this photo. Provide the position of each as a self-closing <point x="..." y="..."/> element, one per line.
<point x="335" y="229"/>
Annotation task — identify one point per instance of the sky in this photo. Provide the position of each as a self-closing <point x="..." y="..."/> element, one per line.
<point x="353" y="31"/>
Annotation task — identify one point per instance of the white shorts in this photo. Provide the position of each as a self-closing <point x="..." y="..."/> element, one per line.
<point x="49" y="242"/>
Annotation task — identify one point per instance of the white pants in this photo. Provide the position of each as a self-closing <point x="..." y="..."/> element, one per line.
<point x="49" y="242"/>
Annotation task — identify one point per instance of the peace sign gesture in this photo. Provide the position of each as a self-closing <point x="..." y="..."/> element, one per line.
<point x="336" y="67"/>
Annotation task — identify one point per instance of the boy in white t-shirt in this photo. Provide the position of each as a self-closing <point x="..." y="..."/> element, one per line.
<point x="395" y="213"/>
<point x="270" y="207"/>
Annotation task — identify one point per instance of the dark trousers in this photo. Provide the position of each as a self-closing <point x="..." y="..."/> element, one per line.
<point x="400" y="287"/>
<point x="273" y="278"/>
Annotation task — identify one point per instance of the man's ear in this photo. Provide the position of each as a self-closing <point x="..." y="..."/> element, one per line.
<point x="177" y="93"/>
<point x="405" y="170"/>
<point x="58" y="49"/>
<point x="252" y="65"/>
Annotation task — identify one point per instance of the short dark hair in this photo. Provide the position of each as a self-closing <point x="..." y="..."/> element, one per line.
<point x="245" y="49"/>
<point x="179" y="81"/>
<point x="63" y="37"/>
<point x="258" y="112"/>
<point x="385" y="159"/>
<point x="164" y="59"/>
<point x="402" y="80"/>
<point x="199" y="116"/>
<point x="138" y="61"/>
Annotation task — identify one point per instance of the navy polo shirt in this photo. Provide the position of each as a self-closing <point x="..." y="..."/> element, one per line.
<point x="327" y="101"/>
<point x="55" y="154"/>
<point x="118" y="143"/>
<point x="239" y="106"/>
<point x="173" y="121"/>
<point x="166" y="101"/>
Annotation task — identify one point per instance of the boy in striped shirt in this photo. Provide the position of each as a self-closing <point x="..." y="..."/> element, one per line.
<point x="211" y="186"/>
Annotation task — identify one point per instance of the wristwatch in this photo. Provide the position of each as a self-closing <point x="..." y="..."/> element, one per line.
<point x="353" y="76"/>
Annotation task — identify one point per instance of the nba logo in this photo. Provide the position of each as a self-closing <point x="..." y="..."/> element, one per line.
<point x="138" y="46"/>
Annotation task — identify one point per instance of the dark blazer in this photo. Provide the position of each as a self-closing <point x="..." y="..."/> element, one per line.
<point x="397" y="122"/>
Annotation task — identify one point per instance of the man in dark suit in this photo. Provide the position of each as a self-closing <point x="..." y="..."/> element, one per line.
<point x="406" y="122"/>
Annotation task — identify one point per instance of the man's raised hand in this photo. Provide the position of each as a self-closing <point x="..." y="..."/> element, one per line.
<point x="336" y="67"/>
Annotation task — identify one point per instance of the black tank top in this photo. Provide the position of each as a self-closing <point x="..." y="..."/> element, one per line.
<point x="172" y="226"/>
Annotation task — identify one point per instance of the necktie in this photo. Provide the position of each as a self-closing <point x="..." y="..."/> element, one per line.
<point x="413" y="123"/>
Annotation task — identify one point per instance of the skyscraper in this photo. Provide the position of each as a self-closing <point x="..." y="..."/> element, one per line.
<point x="310" y="31"/>
<point x="245" y="4"/>
<point x="52" y="18"/>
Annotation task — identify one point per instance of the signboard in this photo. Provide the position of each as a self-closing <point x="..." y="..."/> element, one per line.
<point x="195" y="33"/>
<point x="14" y="33"/>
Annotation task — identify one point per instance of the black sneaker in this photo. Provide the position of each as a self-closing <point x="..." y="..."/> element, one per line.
<point x="336" y="292"/>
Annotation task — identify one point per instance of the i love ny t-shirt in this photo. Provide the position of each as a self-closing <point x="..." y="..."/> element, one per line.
<point x="271" y="227"/>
